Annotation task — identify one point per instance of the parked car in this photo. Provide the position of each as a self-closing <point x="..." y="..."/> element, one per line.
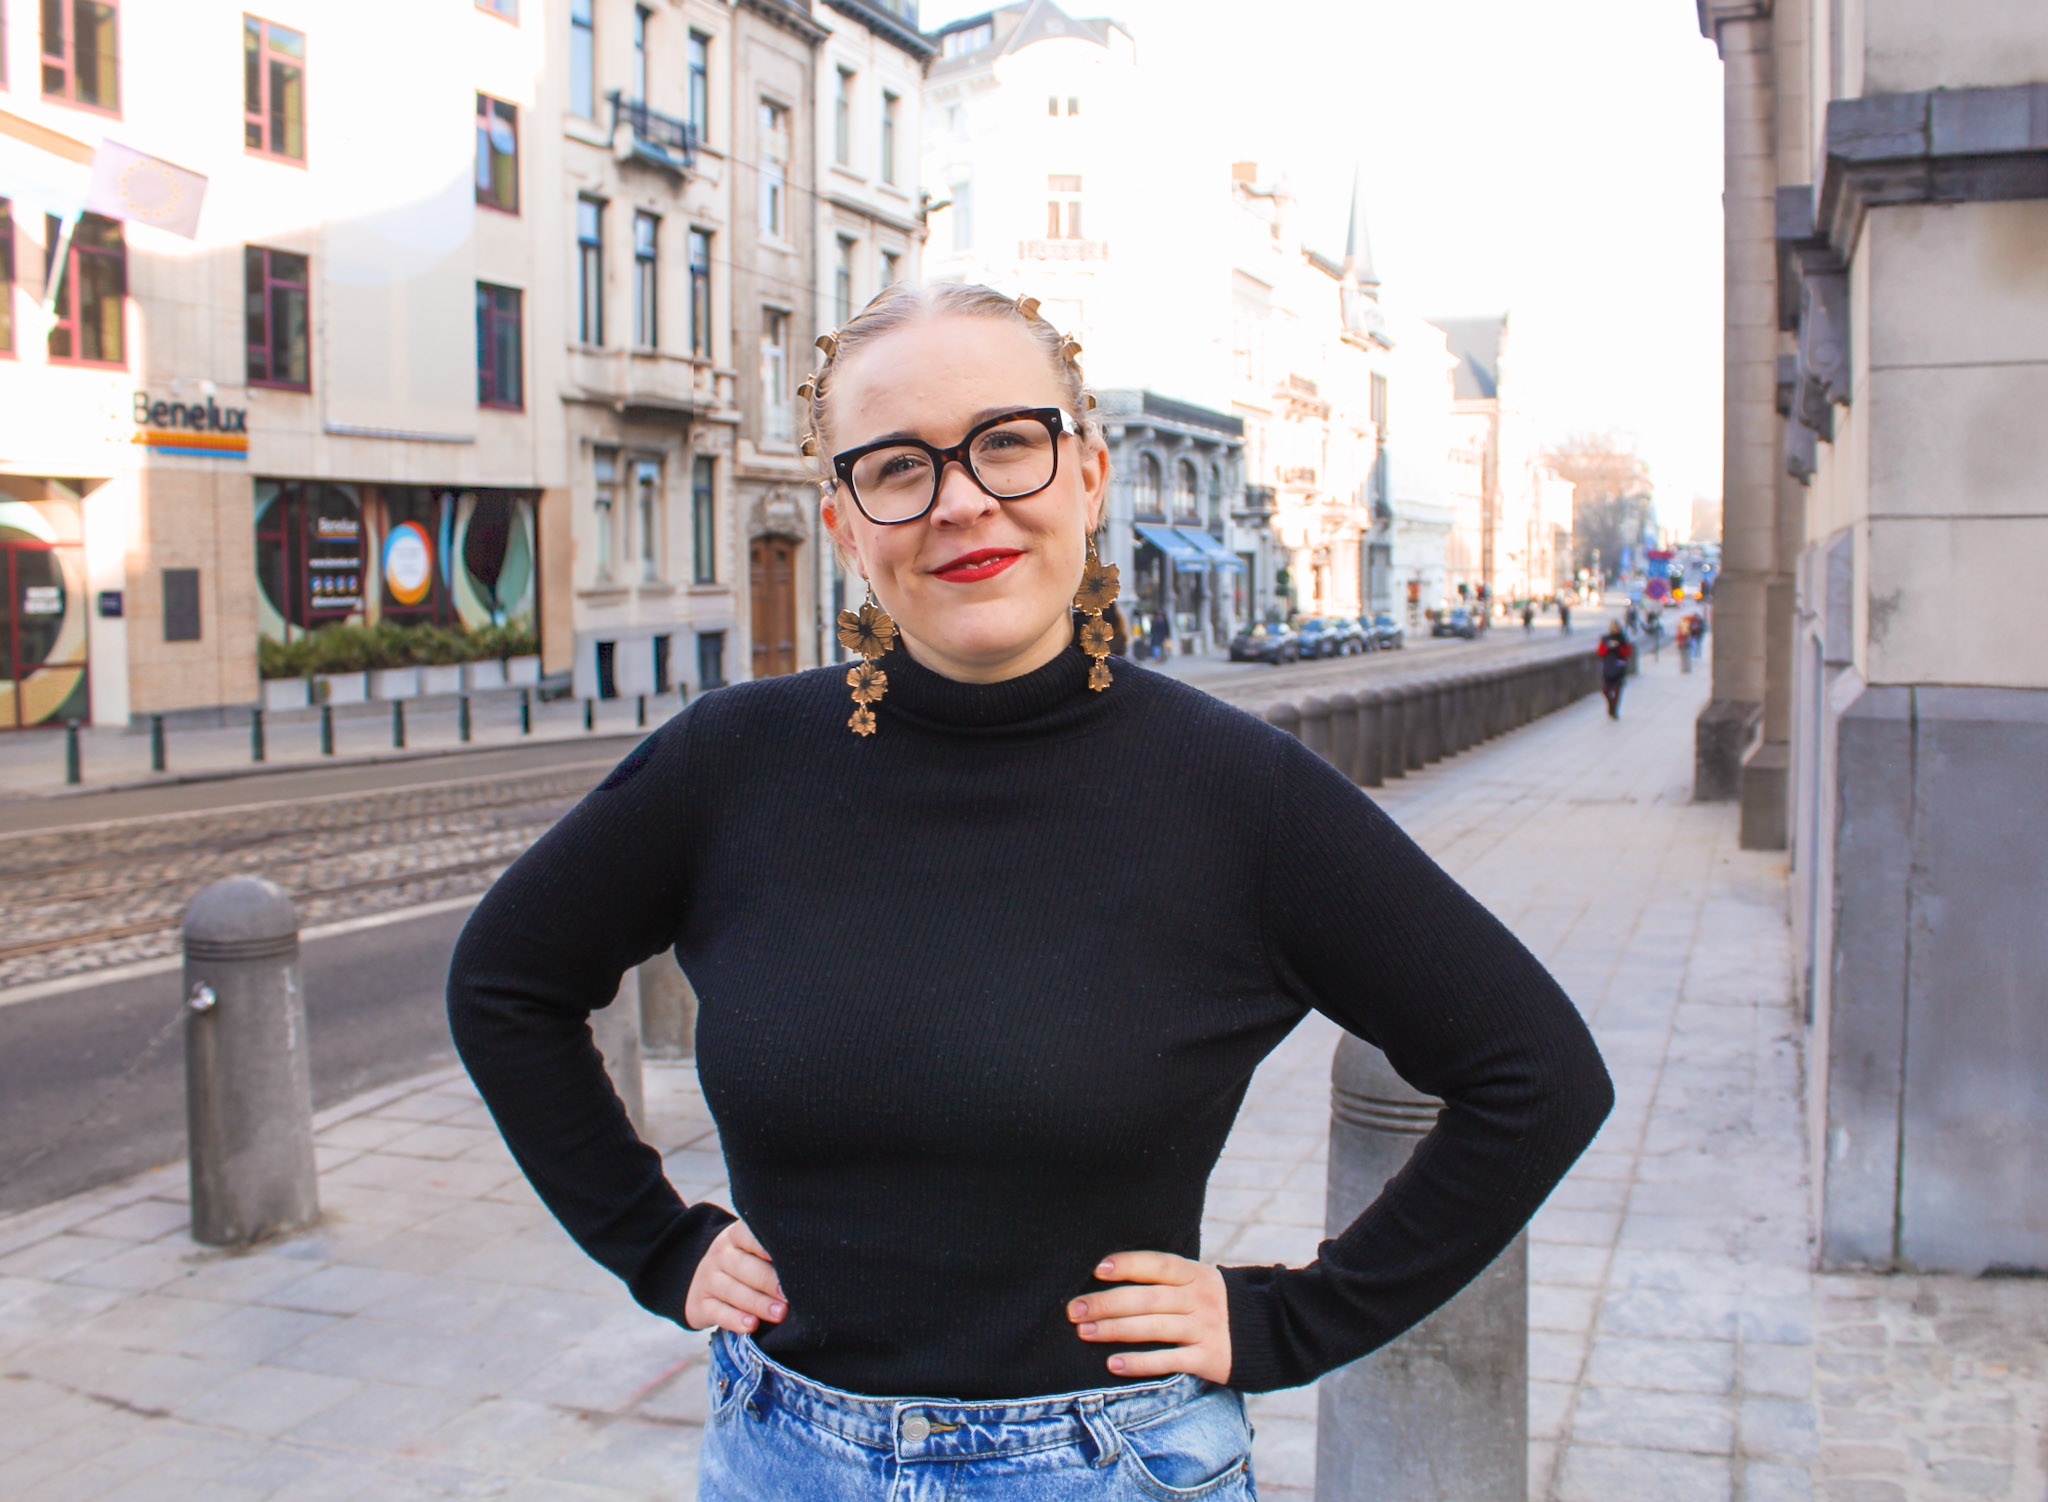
<point x="1387" y="634"/>
<point x="1457" y="621"/>
<point x="1355" y="635"/>
<point x="1275" y="643"/>
<point x="1320" y="636"/>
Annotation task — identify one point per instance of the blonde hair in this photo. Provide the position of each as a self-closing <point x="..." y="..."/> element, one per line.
<point x="900" y="304"/>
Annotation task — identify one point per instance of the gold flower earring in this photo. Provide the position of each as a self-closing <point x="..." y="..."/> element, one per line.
<point x="869" y="632"/>
<point x="1097" y="593"/>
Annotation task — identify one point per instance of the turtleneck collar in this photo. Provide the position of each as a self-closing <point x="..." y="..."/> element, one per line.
<point x="1046" y="699"/>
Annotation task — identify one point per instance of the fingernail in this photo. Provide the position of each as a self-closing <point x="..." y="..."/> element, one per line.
<point x="1078" y="1309"/>
<point x="776" y="1311"/>
<point x="1104" y="1268"/>
<point x="1088" y="1329"/>
<point x="1116" y="1363"/>
<point x="747" y="1322"/>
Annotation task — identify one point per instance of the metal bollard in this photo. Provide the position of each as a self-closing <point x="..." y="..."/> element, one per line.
<point x="157" y="758"/>
<point x="462" y="726"/>
<point x="1344" y="734"/>
<point x="74" y="763"/>
<point x="1284" y="717"/>
<point x="590" y="714"/>
<point x="1394" y="711"/>
<point x="615" y="1030"/>
<point x="248" y="1085"/>
<point x="327" y="730"/>
<point x="526" y="711"/>
<point x="1444" y="1410"/>
<point x="1315" y="725"/>
<point x="1372" y="738"/>
<point x="641" y="716"/>
<point x="256" y="733"/>
<point x="398" y="724"/>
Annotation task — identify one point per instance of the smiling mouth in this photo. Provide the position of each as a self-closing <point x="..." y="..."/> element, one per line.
<point x="984" y="563"/>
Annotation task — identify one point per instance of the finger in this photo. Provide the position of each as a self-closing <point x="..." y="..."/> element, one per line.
<point x="745" y="1240"/>
<point x="1162" y="1363"/>
<point x="1146" y="1267"/>
<point x="1180" y="1329"/>
<point x="726" y="1317"/>
<point x="731" y="1291"/>
<point x="1136" y="1298"/>
<point x="750" y="1270"/>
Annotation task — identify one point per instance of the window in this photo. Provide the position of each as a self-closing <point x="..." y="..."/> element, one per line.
<point x="497" y="348"/>
<point x="275" y="286"/>
<point x="6" y="277"/>
<point x="605" y="469"/>
<point x="1073" y="104"/>
<point x="646" y="271"/>
<point x="889" y="106"/>
<point x="700" y="293"/>
<point x="967" y="39"/>
<point x="891" y="268"/>
<point x="963" y="216"/>
<point x="1184" y="491"/>
<point x="703" y="520"/>
<point x="700" y="85"/>
<point x="1379" y="402"/>
<point x="842" y="118"/>
<point x="647" y="499"/>
<point x="92" y="295"/>
<point x="1149" y="485"/>
<point x="641" y="16"/>
<point x="1052" y="104"/>
<point x="497" y="154"/>
<point x="956" y="123"/>
<point x="664" y="671"/>
<point x="775" y="375"/>
<point x="273" y="89"/>
<point x="774" y="168"/>
<point x="507" y="10"/>
<point x="82" y="53"/>
<point x="710" y="660"/>
<point x="1063" y="206"/>
<point x="590" y="270"/>
<point x="582" y="59"/>
<point x="1215" y="496"/>
<point x="842" y="283"/>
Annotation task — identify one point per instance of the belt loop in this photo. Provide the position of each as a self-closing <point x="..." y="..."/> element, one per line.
<point x="753" y="1377"/>
<point x="1108" y="1443"/>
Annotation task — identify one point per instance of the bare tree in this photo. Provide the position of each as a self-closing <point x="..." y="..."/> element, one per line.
<point x="1610" y="495"/>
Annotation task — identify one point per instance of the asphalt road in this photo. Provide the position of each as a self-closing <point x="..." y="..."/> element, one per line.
<point x="71" y="1117"/>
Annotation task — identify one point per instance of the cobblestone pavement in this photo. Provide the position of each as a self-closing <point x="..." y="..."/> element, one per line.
<point x="438" y="1336"/>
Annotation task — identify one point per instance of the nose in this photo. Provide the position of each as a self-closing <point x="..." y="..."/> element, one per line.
<point x="961" y="500"/>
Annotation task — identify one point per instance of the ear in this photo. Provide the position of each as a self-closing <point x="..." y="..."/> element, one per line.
<point x="844" y="543"/>
<point x="1095" y="482"/>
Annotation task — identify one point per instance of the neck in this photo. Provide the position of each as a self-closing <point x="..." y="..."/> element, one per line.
<point x="947" y="662"/>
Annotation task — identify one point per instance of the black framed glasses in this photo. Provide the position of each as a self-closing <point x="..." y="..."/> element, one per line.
<point x="1010" y="456"/>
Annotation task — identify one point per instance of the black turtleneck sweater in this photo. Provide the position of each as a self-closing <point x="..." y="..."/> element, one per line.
<point x="979" y="997"/>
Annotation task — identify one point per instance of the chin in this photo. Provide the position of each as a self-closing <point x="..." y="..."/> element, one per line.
<point x="986" y="634"/>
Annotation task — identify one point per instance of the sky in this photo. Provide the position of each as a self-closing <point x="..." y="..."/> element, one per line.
<point x="1556" y="160"/>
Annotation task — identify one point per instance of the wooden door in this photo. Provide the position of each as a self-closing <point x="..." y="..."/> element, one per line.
<point x="772" y="576"/>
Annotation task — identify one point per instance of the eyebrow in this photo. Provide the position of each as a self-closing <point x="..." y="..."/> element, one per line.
<point x="980" y="417"/>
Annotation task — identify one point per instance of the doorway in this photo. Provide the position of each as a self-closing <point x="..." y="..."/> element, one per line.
<point x="42" y="621"/>
<point x="772" y="579"/>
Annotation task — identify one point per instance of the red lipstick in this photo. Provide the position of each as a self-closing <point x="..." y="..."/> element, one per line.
<point x="982" y="563"/>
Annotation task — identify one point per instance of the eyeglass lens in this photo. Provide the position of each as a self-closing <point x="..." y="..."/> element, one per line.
<point x="1011" y="460"/>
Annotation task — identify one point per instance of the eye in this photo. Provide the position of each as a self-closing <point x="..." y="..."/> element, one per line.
<point x="894" y="466"/>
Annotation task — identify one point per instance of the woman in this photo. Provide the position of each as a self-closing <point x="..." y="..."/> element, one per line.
<point x="970" y="1076"/>
<point x="1616" y="652"/>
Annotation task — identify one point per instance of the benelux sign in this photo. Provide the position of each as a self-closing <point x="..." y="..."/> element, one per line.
<point x="202" y="431"/>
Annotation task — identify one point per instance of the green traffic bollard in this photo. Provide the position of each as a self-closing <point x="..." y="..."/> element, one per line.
<point x="256" y="733"/>
<point x="327" y="730"/>
<point x="156" y="743"/>
<point x="398" y="724"/>
<point x="526" y="711"/>
<point x="462" y="718"/>
<point x="74" y="767"/>
<point x="590" y="714"/>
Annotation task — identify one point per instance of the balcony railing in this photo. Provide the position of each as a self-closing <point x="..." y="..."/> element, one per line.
<point x="658" y="139"/>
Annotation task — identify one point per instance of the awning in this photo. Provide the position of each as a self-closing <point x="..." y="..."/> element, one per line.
<point x="1212" y="551"/>
<point x="1173" y="544"/>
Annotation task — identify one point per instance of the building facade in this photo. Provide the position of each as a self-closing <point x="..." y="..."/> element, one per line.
<point x="1880" y="705"/>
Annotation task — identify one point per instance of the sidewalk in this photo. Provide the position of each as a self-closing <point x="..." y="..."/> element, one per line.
<point x="440" y="1337"/>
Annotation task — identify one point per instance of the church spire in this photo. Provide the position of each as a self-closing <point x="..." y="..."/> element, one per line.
<point x="1358" y="245"/>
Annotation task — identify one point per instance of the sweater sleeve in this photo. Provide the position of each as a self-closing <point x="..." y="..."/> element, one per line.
<point x="549" y="944"/>
<point x="1364" y="927"/>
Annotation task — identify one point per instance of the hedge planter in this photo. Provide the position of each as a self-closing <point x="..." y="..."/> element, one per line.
<point x="394" y="683"/>
<point x="519" y="670"/>
<point x="286" y="693"/>
<point x="443" y="678"/>
<point x="342" y="688"/>
<point x="488" y="673"/>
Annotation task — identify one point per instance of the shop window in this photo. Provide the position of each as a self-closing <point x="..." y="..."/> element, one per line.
<point x="590" y="270"/>
<point x="6" y="277"/>
<point x="92" y="300"/>
<point x="704" y="519"/>
<point x="275" y="289"/>
<point x="710" y="659"/>
<point x="309" y="554"/>
<point x="700" y="293"/>
<point x="646" y="280"/>
<point x="497" y="154"/>
<point x="82" y="53"/>
<point x="181" y="604"/>
<point x="498" y="358"/>
<point x="273" y="90"/>
<point x="582" y="59"/>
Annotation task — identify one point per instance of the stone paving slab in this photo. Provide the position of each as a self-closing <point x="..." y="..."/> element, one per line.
<point x="438" y="1336"/>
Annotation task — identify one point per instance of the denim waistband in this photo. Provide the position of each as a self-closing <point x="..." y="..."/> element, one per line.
<point x="946" y="1428"/>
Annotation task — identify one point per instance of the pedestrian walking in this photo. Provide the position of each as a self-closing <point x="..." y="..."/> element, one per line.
<point x="1528" y="617"/>
<point x="970" y="1075"/>
<point x="1564" y="614"/>
<point x="1615" y="656"/>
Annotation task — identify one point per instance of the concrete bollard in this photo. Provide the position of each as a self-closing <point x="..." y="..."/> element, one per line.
<point x="616" y="1032"/>
<point x="1344" y="734"/>
<point x="1284" y="717"/>
<point x="668" y="1009"/>
<point x="1427" y="709"/>
<point x="248" y="1084"/>
<point x="1400" y="711"/>
<point x="1315" y="725"/>
<point x="1442" y="1412"/>
<point x="1372" y="738"/>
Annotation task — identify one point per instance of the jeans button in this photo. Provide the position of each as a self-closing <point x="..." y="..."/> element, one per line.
<point x="917" y="1428"/>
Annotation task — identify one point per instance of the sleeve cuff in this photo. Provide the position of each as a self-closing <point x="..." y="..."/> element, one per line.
<point x="1255" y="1361"/>
<point x="662" y="1285"/>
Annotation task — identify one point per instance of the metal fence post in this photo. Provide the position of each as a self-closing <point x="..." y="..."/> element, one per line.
<point x="398" y="724"/>
<point x="256" y="733"/>
<point x="74" y="763"/>
<point x="157" y="758"/>
<point x="248" y="1084"/>
<point x="526" y="711"/>
<point x="326" y="729"/>
<point x="1443" y="1411"/>
<point x="462" y="725"/>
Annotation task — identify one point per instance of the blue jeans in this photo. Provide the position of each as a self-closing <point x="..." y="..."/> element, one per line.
<point x="773" y="1436"/>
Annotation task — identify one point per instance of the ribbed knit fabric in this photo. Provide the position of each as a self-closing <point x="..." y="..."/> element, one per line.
<point x="979" y="999"/>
